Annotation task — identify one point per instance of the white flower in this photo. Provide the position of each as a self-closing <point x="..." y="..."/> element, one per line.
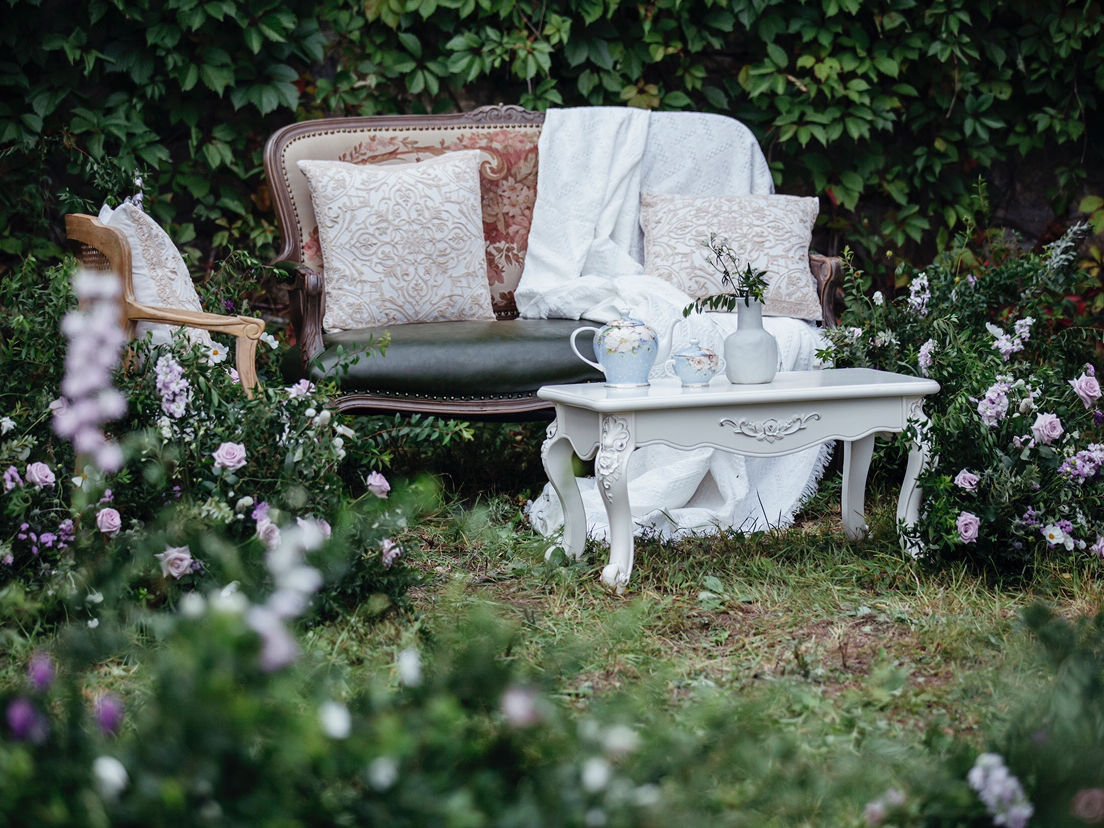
<point x="192" y="605"/>
<point x="595" y="774"/>
<point x="878" y="298"/>
<point x="335" y="720"/>
<point x="383" y="772"/>
<point x="269" y="340"/>
<point x="409" y="664"/>
<point x="345" y="431"/>
<point x="92" y="624"/>
<point x="323" y="418"/>
<point x="6" y="425"/>
<point x="216" y="354"/>
<point x="620" y="740"/>
<point x="1056" y="537"/>
<point x="110" y="776"/>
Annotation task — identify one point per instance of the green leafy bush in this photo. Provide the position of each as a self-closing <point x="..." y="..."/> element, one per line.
<point x="888" y="109"/>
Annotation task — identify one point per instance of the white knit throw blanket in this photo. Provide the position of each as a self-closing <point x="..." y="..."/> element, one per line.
<point x="585" y="261"/>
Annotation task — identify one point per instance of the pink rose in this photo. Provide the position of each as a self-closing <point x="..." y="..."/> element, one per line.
<point x="40" y="476"/>
<point x="1087" y="388"/>
<point x="1047" y="428"/>
<point x="1088" y="805"/>
<point x="389" y="552"/>
<point x="967" y="480"/>
<point x="378" y="485"/>
<point x="176" y="561"/>
<point x="269" y="533"/>
<point x="968" y="524"/>
<point x="108" y="521"/>
<point x="229" y="456"/>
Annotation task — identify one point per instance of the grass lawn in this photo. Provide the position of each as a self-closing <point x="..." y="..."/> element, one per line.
<point x="850" y="652"/>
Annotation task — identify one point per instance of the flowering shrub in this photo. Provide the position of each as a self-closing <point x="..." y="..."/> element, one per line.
<point x="1016" y="431"/>
<point x="79" y="526"/>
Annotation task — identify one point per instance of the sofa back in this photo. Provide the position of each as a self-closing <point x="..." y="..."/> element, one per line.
<point x="507" y="135"/>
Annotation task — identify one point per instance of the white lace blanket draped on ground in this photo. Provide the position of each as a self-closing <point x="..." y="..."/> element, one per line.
<point x="585" y="262"/>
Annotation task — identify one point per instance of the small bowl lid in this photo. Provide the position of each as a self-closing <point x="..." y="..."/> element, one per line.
<point x="694" y="349"/>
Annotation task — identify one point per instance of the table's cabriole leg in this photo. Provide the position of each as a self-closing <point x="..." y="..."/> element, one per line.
<point x="556" y="453"/>
<point x="908" y="503"/>
<point x="610" y="472"/>
<point x="856" y="465"/>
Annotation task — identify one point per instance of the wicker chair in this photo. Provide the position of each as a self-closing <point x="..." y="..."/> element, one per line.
<point x="104" y="249"/>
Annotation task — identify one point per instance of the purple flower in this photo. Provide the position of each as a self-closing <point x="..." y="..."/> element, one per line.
<point x="26" y="723"/>
<point x="994" y="406"/>
<point x="924" y="359"/>
<point x="1047" y="428"/>
<point x="967" y="480"/>
<point x="41" y="671"/>
<point x="40" y="476"/>
<point x="88" y="398"/>
<point x="66" y="533"/>
<point x="260" y="511"/>
<point x="278" y="646"/>
<point x="175" y="390"/>
<point x="12" y="479"/>
<point x="175" y="561"/>
<point x="968" y="524"/>
<point x="919" y="294"/>
<point x="390" y="552"/>
<point x="229" y="456"/>
<point x="378" y="485"/>
<point x="1098" y="547"/>
<point x="108" y="710"/>
<point x="228" y="305"/>
<point x="1000" y="791"/>
<point x="1087" y="388"/>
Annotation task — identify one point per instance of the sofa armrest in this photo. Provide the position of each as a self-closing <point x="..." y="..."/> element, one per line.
<point x="246" y="329"/>
<point x="828" y="272"/>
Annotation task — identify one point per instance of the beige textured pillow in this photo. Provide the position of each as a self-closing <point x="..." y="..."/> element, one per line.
<point x="772" y="232"/>
<point x="401" y="243"/>
<point x="159" y="276"/>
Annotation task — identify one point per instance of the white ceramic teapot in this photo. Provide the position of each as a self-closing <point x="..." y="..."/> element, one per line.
<point x="626" y="349"/>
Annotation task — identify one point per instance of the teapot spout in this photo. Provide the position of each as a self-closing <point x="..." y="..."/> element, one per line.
<point x="666" y="342"/>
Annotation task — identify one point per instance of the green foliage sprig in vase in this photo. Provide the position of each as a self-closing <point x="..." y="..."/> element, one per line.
<point x="746" y="284"/>
<point x="750" y="353"/>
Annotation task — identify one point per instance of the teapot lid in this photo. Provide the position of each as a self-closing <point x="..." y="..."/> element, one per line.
<point x="625" y="321"/>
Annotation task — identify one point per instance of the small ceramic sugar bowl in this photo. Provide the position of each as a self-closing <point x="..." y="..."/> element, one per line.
<point x="694" y="365"/>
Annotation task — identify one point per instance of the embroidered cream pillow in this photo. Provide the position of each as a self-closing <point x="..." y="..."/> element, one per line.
<point x="401" y="243"/>
<point x="771" y="232"/>
<point x="159" y="276"/>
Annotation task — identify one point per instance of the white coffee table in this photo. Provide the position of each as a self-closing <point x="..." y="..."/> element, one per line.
<point x="798" y="410"/>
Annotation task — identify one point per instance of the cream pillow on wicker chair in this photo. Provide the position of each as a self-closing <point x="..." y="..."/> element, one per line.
<point x="770" y="232"/>
<point x="159" y="277"/>
<point x="401" y="243"/>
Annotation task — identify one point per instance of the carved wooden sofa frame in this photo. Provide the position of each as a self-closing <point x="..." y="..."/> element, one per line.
<point x="105" y="249"/>
<point x="399" y="138"/>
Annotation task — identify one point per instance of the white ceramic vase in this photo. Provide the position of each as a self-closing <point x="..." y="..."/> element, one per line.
<point x="751" y="353"/>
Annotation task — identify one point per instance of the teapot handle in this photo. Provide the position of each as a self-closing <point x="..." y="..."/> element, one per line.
<point x="669" y="368"/>
<point x="574" y="334"/>
<point x="721" y="364"/>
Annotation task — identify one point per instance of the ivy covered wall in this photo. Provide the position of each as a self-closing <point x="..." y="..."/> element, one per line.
<point x="890" y="110"/>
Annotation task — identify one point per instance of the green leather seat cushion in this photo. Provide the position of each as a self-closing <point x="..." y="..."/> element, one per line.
<point x="457" y="359"/>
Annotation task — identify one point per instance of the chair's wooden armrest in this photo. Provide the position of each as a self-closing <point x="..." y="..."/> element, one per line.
<point x="828" y="272"/>
<point x="246" y="329"/>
